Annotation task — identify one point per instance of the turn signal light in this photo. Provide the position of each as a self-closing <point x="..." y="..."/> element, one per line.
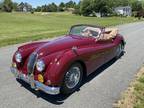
<point x="14" y="65"/>
<point x="40" y="78"/>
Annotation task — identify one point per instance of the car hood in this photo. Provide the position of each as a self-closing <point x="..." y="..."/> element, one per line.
<point x="49" y="50"/>
<point x="60" y="44"/>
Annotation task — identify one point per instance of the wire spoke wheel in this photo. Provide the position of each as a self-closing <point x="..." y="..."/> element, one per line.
<point x="119" y="50"/>
<point x="72" y="77"/>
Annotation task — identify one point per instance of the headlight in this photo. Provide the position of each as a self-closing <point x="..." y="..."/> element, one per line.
<point x="18" y="57"/>
<point x="40" y="65"/>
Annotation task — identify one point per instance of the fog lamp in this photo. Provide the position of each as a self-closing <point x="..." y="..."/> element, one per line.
<point x="40" y="78"/>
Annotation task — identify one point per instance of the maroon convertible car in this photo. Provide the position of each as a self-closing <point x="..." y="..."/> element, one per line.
<point x="60" y="65"/>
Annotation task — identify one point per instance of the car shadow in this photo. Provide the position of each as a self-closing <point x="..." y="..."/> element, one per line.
<point x="59" y="99"/>
<point x="54" y="99"/>
<point x="99" y="71"/>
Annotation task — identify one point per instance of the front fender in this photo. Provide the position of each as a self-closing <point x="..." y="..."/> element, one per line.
<point x="57" y="68"/>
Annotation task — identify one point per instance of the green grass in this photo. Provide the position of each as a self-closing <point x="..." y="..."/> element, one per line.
<point x="133" y="97"/>
<point x="22" y="27"/>
<point x="139" y="93"/>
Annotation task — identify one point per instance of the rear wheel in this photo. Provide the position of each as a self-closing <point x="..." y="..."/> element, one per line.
<point x="72" y="79"/>
<point x="119" y="51"/>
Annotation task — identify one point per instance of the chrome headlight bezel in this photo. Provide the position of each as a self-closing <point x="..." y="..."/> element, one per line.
<point x="18" y="57"/>
<point x="40" y="65"/>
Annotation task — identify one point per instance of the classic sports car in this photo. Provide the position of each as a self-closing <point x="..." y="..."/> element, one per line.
<point x="60" y="65"/>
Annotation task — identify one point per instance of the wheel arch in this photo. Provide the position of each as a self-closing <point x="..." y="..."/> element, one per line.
<point x="64" y="89"/>
<point x="84" y="67"/>
<point x="123" y="42"/>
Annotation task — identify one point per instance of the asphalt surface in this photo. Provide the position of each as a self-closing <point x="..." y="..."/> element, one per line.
<point x="101" y="89"/>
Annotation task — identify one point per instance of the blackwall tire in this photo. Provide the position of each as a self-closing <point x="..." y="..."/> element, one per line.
<point x="120" y="51"/>
<point x="72" y="79"/>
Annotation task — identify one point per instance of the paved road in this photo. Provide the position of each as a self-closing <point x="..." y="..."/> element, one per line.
<point x="101" y="90"/>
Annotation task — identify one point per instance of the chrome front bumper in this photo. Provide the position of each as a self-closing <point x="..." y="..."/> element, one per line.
<point x="35" y="84"/>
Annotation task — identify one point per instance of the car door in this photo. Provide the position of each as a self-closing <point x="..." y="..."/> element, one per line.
<point x="108" y="49"/>
<point x="94" y="54"/>
<point x="97" y="53"/>
<point x="101" y="52"/>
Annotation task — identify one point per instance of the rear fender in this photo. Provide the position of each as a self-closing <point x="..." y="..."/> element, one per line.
<point x="119" y="39"/>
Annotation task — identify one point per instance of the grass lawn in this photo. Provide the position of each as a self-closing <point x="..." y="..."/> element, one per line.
<point x="133" y="97"/>
<point x="22" y="27"/>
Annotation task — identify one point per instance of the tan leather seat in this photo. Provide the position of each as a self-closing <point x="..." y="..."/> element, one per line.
<point x="109" y="33"/>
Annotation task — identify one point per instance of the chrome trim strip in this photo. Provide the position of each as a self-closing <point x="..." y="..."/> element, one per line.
<point x="31" y="63"/>
<point x="47" y="89"/>
<point x="37" y="85"/>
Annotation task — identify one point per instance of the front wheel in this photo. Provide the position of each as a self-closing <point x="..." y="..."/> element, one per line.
<point x="72" y="79"/>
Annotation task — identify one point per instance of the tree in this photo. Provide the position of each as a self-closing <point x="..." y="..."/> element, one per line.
<point x="86" y="7"/>
<point x="44" y="8"/>
<point x="121" y="2"/>
<point x="61" y="7"/>
<point x="38" y="9"/>
<point x="52" y="7"/>
<point x="103" y="7"/>
<point x="48" y="8"/>
<point x="90" y="7"/>
<point x="77" y="9"/>
<point x="136" y="5"/>
<point x="70" y="4"/>
<point x="1" y="5"/>
<point x="7" y="5"/>
<point x="15" y="5"/>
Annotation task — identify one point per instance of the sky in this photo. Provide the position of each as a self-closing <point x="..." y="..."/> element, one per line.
<point x="36" y="3"/>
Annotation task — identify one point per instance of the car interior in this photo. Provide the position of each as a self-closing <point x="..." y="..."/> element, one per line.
<point x="107" y="34"/>
<point x="91" y="31"/>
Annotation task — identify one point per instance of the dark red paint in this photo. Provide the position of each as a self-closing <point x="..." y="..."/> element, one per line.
<point x="59" y="54"/>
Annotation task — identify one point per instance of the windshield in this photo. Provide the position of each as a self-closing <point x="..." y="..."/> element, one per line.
<point x="86" y="31"/>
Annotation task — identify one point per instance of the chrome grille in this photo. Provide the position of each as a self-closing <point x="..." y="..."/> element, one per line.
<point x="31" y="63"/>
